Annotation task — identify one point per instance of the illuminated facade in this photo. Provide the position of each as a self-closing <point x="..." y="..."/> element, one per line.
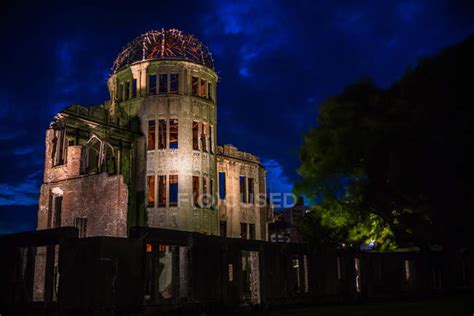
<point x="149" y="155"/>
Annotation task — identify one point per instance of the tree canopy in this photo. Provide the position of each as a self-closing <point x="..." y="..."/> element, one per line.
<point x="396" y="166"/>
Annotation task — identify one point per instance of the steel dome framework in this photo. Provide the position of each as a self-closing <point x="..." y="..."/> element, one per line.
<point x="164" y="44"/>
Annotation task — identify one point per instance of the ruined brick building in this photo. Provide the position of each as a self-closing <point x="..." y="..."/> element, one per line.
<point x="149" y="155"/>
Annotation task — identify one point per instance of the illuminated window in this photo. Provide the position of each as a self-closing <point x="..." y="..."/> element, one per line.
<point x="163" y="83"/>
<point x="161" y="248"/>
<point x="174" y="83"/>
<point x="252" y="231"/>
<point x="251" y="191"/>
<point x="174" y="190"/>
<point x="151" y="191"/>
<point x="209" y="91"/>
<point x="126" y="88"/>
<point x="243" y="230"/>
<point x="149" y="248"/>
<point x="204" y="137"/>
<point x="211" y="137"/>
<point x="222" y="185"/>
<point x="202" y="90"/>
<point x="151" y="135"/>
<point x="174" y="133"/>
<point x="195" y="135"/>
<point x="195" y="86"/>
<point x="152" y="84"/>
<point x="134" y="88"/>
<point x="161" y="134"/>
<point x="243" y="189"/>
<point x="161" y="191"/>
<point x="196" y="191"/>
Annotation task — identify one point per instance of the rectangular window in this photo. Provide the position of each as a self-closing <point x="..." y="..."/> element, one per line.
<point x="211" y="192"/>
<point x="196" y="191"/>
<point x="223" y="228"/>
<point x="134" y="88"/>
<point x="243" y="230"/>
<point x="174" y="190"/>
<point x="222" y="185"/>
<point x="202" y="90"/>
<point x="152" y="84"/>
<point x="252" y="231"/>
<point x="205" y="192"/>
<point x="251" y="191"/>
<point x="204" y="137"/>
<point x="161" y="191"/>
<point x="151" y="191"/>
<point x="59" y="147"/>
<point x="120" y="92"/>
<point x="58" y="203"/>
<point x="126" y="88"/>
<point x="174" y="83"/>
<point x="151" y="135"/>
<point x="195" y="135"/>
<point x="174" y="133"/>
<point x="211" y="137"/>
<point x="161" y="134"/>
<point x="209" y="91"/>
<point x="163" y="83"/>
<point x="81" y="225"/>
<point x="195" y="86"/>
<point x="243" y="189"/>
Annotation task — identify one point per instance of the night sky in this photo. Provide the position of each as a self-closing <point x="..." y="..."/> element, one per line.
<point x="276" y="62"/>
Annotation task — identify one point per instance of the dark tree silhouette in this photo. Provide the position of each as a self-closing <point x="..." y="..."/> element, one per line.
<point x="404" y="155"/>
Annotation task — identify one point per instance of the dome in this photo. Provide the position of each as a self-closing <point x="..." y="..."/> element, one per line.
<point x="164" y="44"/>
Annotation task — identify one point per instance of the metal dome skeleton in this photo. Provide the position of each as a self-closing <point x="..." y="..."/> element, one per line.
<point x="164" y="44"/>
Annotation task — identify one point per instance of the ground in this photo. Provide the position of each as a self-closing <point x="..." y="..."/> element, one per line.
<point x="444" y="306"/>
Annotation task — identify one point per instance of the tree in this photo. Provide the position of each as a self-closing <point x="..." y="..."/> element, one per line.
<point x="397" y="160"/>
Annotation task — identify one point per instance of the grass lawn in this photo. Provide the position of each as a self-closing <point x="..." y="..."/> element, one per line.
<point x="443" y="306"/>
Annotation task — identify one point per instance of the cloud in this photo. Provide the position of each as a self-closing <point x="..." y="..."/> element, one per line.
<point x="23" y="151"/>
<point x="25" y="193"/>
<point x="255" y="27"/>
<point x="277" y="182"/>
<point x="408" y="10"/>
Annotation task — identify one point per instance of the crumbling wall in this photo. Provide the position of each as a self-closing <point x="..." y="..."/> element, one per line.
<point x="101" y="199"/>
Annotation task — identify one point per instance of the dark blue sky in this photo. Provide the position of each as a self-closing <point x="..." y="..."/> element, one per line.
<point x="276" y="62"/>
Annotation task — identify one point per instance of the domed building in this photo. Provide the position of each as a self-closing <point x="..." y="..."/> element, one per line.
<point x="149" y="155"/>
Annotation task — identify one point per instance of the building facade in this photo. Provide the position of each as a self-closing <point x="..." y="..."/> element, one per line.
<point x="149" y="155"/>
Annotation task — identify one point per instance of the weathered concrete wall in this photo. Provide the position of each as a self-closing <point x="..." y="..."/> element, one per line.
<point x="183" y="161"/>
<point x="235" y="163"/>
